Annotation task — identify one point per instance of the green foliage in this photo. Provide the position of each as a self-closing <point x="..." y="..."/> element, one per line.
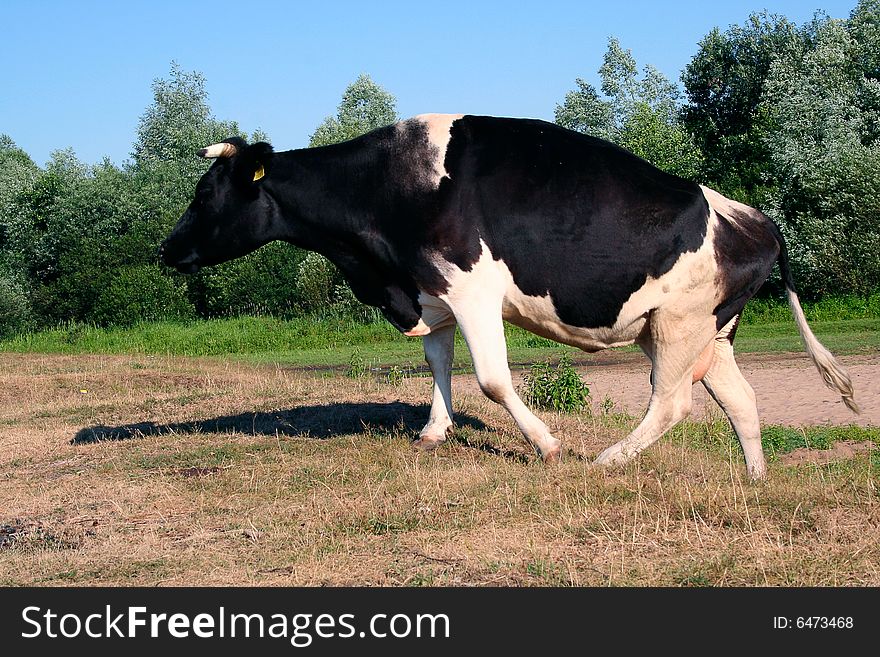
<point x="358" y="366"/>
<point x="44" y="218"/>
<point x="365" y="106"/>
<point x="178" y="123"/>
<point x="724" y="83"/>
<point x="317" y="282"/>
<point x="555" y="387"/>
<point x="72" y="229"/>
<point x="16" y="314"/>
<point x="261" y="283"/>
<point x="18" y="174"/>
<point x="662" y="142"/>
<point x="320" y="289"/>
<point x="825" y="154"/>
<point x="140" y="294"/>
<point x="639" y="114"/>
<point x="781" y="440"/>
<point x="789" y="118"/>
<point x="395" y="376"/>
<point x="607" y="405"/>
<point x="80" y="241"/>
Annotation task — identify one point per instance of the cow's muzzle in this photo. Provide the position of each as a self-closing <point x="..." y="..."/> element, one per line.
<point x="189" y="264"/>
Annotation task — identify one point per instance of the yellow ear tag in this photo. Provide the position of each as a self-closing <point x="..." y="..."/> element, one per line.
<point x="259" y="173"/>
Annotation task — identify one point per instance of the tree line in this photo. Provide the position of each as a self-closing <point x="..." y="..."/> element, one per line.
<point x="780" y="116"/>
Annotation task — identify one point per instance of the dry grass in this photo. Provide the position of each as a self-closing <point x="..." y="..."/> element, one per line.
<point x="225" y="474"/>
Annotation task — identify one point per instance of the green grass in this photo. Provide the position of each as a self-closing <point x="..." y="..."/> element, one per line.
<point x="781" y="440"/>
<point x="836" y="308"/>
<point x="218" y="337"/>
<point x="840" y="336"/>
<point x="847" y="325"/>
<point x="776" y="439"/>
<point x="301" y="341"/>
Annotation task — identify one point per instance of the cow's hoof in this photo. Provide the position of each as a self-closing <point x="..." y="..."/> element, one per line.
<point x="426" y="442"/>
<point x="553" y="455"/>
<point x="614" y="455"/>
<point x="758" y="474"/>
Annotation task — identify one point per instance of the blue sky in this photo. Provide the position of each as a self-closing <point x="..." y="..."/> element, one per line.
<point x="78" y="74"/>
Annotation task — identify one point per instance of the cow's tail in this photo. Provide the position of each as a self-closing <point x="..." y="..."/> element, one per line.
<point x="832" y="372"/>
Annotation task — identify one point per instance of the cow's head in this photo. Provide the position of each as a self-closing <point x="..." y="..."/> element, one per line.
<point x="231" y="214"/>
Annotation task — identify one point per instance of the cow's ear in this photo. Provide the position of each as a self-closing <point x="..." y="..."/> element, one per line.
<point x="252" y="165"/>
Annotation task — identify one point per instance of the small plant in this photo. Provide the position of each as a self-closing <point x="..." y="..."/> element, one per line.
<point x="607" y="405"/>
<point x="556" y="387"/>
<point x="358" y="367"/>
<point x="395" y="375"/>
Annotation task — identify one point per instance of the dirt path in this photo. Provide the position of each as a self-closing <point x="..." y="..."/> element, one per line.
<point x="789" y="389"/>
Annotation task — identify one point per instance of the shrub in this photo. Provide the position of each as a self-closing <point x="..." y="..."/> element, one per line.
<point x="260" y="283"/>
<point x="141" y="293"/>
<point x="316" y="280"/>
<point x="16" y="315"/>
<point x="322" y="291"/>
<point x="556" y="387"/>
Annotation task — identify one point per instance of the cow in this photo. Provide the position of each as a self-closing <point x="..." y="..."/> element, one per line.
<point x="459" y="220"/>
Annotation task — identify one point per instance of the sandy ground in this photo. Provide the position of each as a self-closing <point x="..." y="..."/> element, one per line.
<point x="789" y="389"/>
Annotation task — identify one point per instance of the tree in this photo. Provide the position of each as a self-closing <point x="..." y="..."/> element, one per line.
<point x="825" y="153"/>
<point x="77" y="228"/>
<point x="16" y="313"/>
<point x="178" y="123"/>
<point x="724" y="83"/>
<point x="77" y="239"/>
<point x="365" y="106"/>
<point x="639" y="114"/>
<point x="18" y="173"/>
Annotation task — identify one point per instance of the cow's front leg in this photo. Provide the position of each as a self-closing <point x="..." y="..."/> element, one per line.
<point x="483" y="330"/>
<point x="439" y="346"/>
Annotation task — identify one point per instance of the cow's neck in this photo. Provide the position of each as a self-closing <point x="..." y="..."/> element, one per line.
<point x="326" y="199"/>
<point x="320" y="194"/>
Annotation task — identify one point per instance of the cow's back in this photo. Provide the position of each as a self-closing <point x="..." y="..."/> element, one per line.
<point x="570" y="215"/>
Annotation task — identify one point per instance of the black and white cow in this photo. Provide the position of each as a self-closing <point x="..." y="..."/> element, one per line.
<point x="445" y="220"/>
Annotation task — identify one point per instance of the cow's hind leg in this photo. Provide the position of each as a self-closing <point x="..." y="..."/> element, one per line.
<point x="483" y="330"/>
<point x="735" y="396"/>
<point x="675" y="354"/>
<point x="438" y="353"/>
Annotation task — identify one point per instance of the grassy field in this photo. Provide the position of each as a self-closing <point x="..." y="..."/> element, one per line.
<point x="326" y="343"/>
<point x="155" y="470"/>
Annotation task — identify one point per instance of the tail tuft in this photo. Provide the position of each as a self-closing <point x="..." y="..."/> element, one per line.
<point x="832" y="372"/>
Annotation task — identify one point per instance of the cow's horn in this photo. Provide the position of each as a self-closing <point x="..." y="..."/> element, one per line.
<point x="223" y="149"/>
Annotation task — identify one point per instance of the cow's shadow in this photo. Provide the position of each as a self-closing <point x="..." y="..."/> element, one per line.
<point x="316" y="422"/>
